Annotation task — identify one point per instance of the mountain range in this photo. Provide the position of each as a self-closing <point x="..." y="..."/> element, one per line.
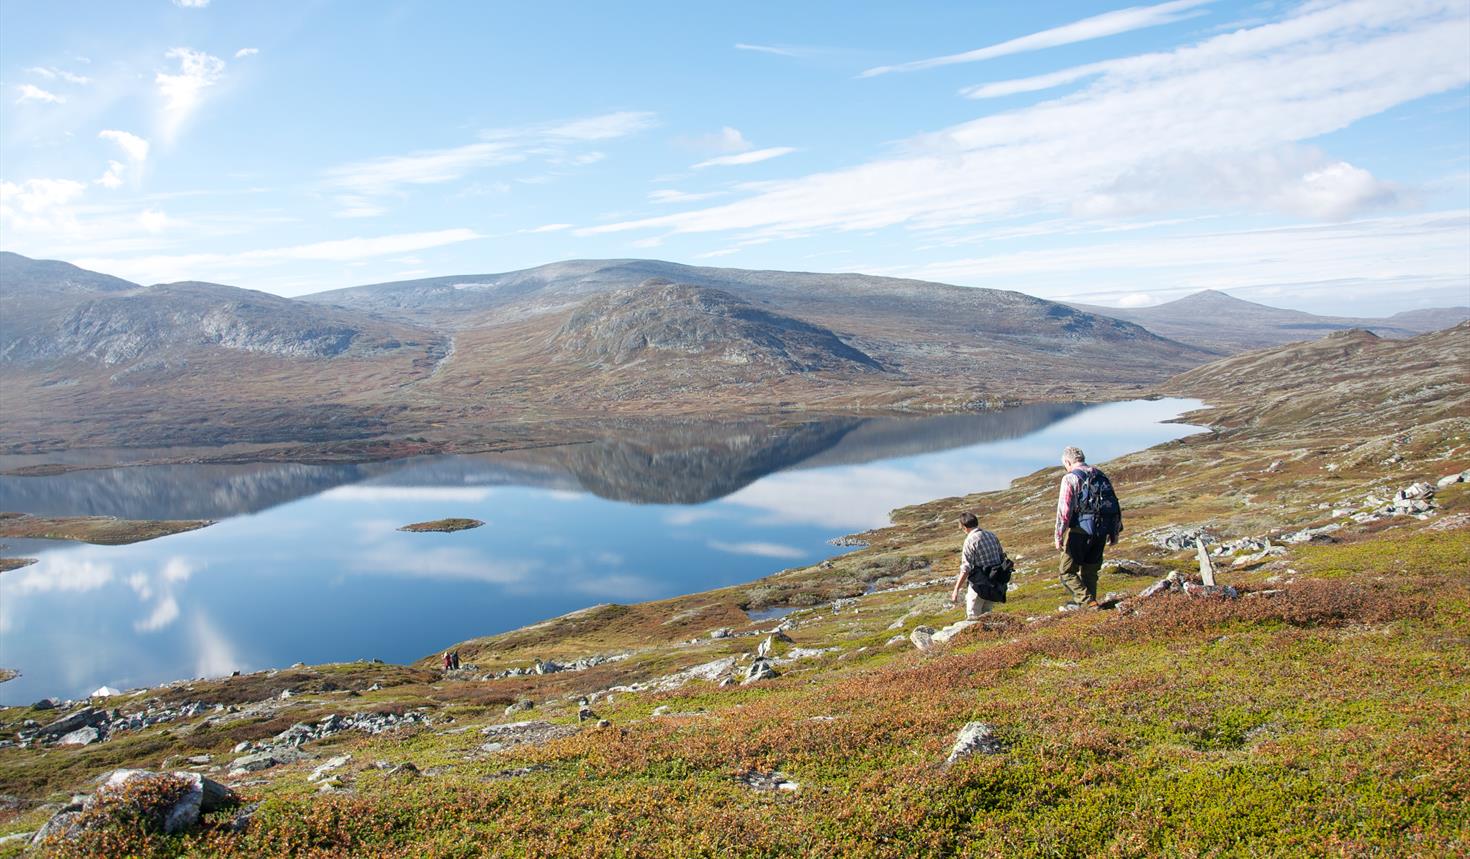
<point x="471" y="361"/>
<point x="1225" y="325"/>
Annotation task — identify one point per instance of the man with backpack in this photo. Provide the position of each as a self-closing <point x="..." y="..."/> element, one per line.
<point x="1088" y="519"/>
<point x="984" y="567"/>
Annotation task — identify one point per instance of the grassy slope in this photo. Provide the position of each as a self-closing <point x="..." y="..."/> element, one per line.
<point x="1327" y="718"/>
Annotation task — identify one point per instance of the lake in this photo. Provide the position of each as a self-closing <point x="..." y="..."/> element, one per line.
<point x="306" y="563"/>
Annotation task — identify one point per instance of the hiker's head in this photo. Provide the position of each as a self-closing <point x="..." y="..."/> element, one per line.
<point x="1073" y="456"/>
<point x="969" y="522"/>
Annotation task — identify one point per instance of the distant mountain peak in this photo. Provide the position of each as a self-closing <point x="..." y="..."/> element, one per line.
<point x="659" y="317"/>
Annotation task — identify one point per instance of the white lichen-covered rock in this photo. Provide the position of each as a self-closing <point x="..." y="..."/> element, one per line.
<point x="944" y="635"/>
<point x="974" y="738"/>
<point x="759" y="670"/>
<point x="923" y="638"/>
<point x="327" y="766"/>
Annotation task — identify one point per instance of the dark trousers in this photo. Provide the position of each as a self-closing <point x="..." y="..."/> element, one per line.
<point x="1082" y="557"/>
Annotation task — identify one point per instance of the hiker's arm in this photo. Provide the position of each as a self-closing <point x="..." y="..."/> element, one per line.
<point x="964" y="576"/>
<point x="1064" y="509"/>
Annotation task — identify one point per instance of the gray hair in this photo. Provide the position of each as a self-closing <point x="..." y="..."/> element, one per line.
<point x="1074" y="454"/>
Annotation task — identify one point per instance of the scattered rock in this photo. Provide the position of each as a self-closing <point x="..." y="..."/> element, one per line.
<point x="1275" y="466"/>
<point x="897" y="639"/>
<point x="254" y="763"/>
<point x="944" y="635"/>
<point x="975" y="737"/>
<point x="760" y="669"/>
<point x="769" y="644"/>
<point x="243" y="818"/>
<point x="520" y="706"/>
<point x="1452" y="479"/>
<point x="327" y="766"/>
<point x="604" y="723"/>
<point x="1174" y="538"/>
<point x="923" y="638"/>
<point x="722" y="632"/>
<point x="80" y="737"/>
<point x="45" y="704"/>
<point x="1313" y="535"/>
<point x="770" y="782"/>
<point x="662" y="710"/>
<point x="1211" y="591"/>
<point x="405" y="770"/>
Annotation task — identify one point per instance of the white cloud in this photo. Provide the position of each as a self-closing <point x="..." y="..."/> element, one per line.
<point x="170" y="267"/>
<point x="760" y="550"/>
<point x="549" y="228"/>
<point x="1087" y="29"/>
<point x="604" y="127"/>
<point x="135" y="147"/>
<point x="246" y="52"/>
<point x="183" y="91"/>
<point x="778" y="50"/>
<point x="39" y="203"/>
<point x="112" y="178"/>
<point x="30" y="93"/>
<point x="1242" y="99"/>
<point x="1399" y="253"/>
<point x="726" y="141"/>
<point x="669" y="195"/>
<point x="360" y="181"/>
<point x="1137" y="299"/>
<point x="191" y="4"/>
<point x="385" y="175"/>
<point x="153" y="220"/>
<point x="51" y="74"/>
<point x="746" y="157"/>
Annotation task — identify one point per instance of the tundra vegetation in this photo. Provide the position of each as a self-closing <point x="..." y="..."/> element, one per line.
<point x="1320" y="712"/>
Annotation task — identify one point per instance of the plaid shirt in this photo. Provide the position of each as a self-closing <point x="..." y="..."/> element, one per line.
<point x="1067" y="497"/>
<point x="982" y="549"/>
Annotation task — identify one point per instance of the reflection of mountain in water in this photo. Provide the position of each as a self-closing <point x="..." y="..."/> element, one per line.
<point x="176" y="491"/>
<point x="892" y="438"/>
<point x="663" y="463"/>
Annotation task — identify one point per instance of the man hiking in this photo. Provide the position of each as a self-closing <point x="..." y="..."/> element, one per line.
<point x="980" y="559"/>
<point x="1088" y="518"/>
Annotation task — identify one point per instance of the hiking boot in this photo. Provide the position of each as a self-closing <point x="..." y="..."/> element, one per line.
<point x="1093" y="606"/>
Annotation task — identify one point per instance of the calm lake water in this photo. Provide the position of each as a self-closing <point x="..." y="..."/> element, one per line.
<point x="305" y="563"/>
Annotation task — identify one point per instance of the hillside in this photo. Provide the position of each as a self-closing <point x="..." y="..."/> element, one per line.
<point x="1318" y="712"/>
<point x="499" y="361"/>
<point x="1225" y="325"/>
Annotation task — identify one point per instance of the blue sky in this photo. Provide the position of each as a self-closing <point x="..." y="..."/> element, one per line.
<point x="1312" y="155"/>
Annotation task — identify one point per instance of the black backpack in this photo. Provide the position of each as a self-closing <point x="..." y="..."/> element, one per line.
<point x="990" y="582"/>
<point x="1096" y="509"/>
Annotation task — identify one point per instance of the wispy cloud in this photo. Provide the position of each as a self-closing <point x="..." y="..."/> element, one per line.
<point x="669" y="195"/>
<point x="1165" y="133"/>
<point x="384" y="175"/>
<point x="1087" y="29"/>
<point x="550" y="228"/>
<point x="246" y="52"/>
<point x="51" y="73"/>
<point x="133" y="146"/>
<point x="794" y="51"/>
<point x="32" y="94"/>
<point x="165" y="267"/>
<point x="191" y="4"/>
<point x="183" y="90"/>
<point x="360" y="182"/>
<point x="752" y="157"/>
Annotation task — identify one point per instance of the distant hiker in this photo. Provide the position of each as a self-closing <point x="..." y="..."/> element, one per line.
<point x="1088" y="519"/>
<point x="454" y="660"/>
<point x="984" y="567"/>
<point x="448" y="661"/>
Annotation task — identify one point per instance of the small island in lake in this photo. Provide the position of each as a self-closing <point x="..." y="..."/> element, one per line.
<point x="8" y="564"/>
<point x="443" y="525"/>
